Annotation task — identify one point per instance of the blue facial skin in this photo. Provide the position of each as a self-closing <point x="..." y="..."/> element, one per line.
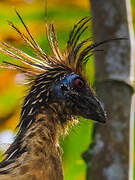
<point x="64" y="85"/>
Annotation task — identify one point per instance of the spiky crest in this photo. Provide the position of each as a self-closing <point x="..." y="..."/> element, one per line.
<point x="73" y="58"/>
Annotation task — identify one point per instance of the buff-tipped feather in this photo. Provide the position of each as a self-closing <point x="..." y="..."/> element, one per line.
<point x="71" y="58"/>
<point x="75" y="56"/>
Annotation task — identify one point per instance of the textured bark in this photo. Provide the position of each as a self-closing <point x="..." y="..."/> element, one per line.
<point x="110" y="156"/>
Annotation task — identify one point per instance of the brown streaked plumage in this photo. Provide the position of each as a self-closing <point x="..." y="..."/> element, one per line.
<point x="58" y="93"/>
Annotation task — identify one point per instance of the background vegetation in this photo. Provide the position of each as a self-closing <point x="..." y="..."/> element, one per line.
<point x="64" y="14"/>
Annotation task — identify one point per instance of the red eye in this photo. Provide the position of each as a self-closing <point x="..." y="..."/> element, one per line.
<point x="79" y="83"/>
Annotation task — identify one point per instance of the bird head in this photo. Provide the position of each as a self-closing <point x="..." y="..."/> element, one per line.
<point x="74" y="90"/>
<point x="58" y="79"/>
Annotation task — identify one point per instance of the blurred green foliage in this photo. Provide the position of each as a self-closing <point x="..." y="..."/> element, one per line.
<point x="64" y="14"/>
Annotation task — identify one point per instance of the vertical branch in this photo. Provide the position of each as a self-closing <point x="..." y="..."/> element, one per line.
<point x="132" y="75"/>
<point x="110" y="156"/>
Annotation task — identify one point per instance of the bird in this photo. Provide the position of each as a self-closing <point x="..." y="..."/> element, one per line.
<point x="59" y="93"/>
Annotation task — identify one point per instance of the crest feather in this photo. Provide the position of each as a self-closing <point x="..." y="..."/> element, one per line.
<point x="74" y="57"/>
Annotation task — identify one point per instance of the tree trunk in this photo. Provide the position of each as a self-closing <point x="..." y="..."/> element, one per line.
<point x="110" y="156"/>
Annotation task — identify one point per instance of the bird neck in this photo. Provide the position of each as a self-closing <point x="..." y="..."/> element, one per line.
<point x="48" y="125"/>
<point x="37" y="152"/>
<point x="44" y="130"/>
<point x="36" y="149"/>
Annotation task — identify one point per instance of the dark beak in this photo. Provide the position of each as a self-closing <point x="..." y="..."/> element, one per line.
<point x="92" y="108"/>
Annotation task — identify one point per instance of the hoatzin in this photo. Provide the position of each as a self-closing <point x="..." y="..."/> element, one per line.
<point x="58" y="94"/>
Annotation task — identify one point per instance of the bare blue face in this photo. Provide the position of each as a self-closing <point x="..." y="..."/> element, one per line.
<point x="73" y="88"/>
<point x="69" y="84"/>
